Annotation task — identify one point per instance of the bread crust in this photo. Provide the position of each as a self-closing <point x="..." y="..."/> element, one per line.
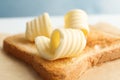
<point x="101" y="47"/>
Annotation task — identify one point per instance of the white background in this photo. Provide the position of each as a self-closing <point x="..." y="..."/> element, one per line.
<point x="17" y="25"/>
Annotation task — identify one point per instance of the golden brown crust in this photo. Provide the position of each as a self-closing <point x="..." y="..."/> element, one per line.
<point x="101" y="47"/>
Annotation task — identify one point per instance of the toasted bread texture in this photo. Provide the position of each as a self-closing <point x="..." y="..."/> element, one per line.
<point x="101" y="47"/>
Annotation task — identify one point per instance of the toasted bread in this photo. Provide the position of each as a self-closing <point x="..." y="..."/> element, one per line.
<point x="108" y="28"/>
<point x="101" y="47"/>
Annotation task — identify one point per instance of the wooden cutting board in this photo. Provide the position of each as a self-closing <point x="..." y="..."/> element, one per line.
<point x="14" y="69"/>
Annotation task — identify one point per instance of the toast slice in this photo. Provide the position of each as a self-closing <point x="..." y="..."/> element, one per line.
<point x="101" y="47"/>
<point x="106" y="27"/>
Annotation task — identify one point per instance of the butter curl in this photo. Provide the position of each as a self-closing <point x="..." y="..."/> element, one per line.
<point x="63" y="43"/>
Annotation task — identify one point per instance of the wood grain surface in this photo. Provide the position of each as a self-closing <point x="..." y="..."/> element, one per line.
<point x="14" y="69"/>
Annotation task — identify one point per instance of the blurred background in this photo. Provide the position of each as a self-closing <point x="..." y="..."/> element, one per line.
<point x="25" y="8"/>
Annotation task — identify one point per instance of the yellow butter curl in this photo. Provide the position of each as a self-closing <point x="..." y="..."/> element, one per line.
<point x="63" y="43"/>
<point x="77" y="19"/>
<point x="40" y="26"/>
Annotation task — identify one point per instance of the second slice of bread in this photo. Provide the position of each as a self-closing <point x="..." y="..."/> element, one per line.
<point x="101" y="47"/>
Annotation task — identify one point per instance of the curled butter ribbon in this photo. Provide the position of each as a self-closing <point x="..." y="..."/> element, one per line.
<point x="40" y="26"/>
<point x="77" y="19"/>
<point x="63" y="43"/>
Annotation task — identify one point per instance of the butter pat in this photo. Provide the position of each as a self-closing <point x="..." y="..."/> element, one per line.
<point x="40" y="26"/>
